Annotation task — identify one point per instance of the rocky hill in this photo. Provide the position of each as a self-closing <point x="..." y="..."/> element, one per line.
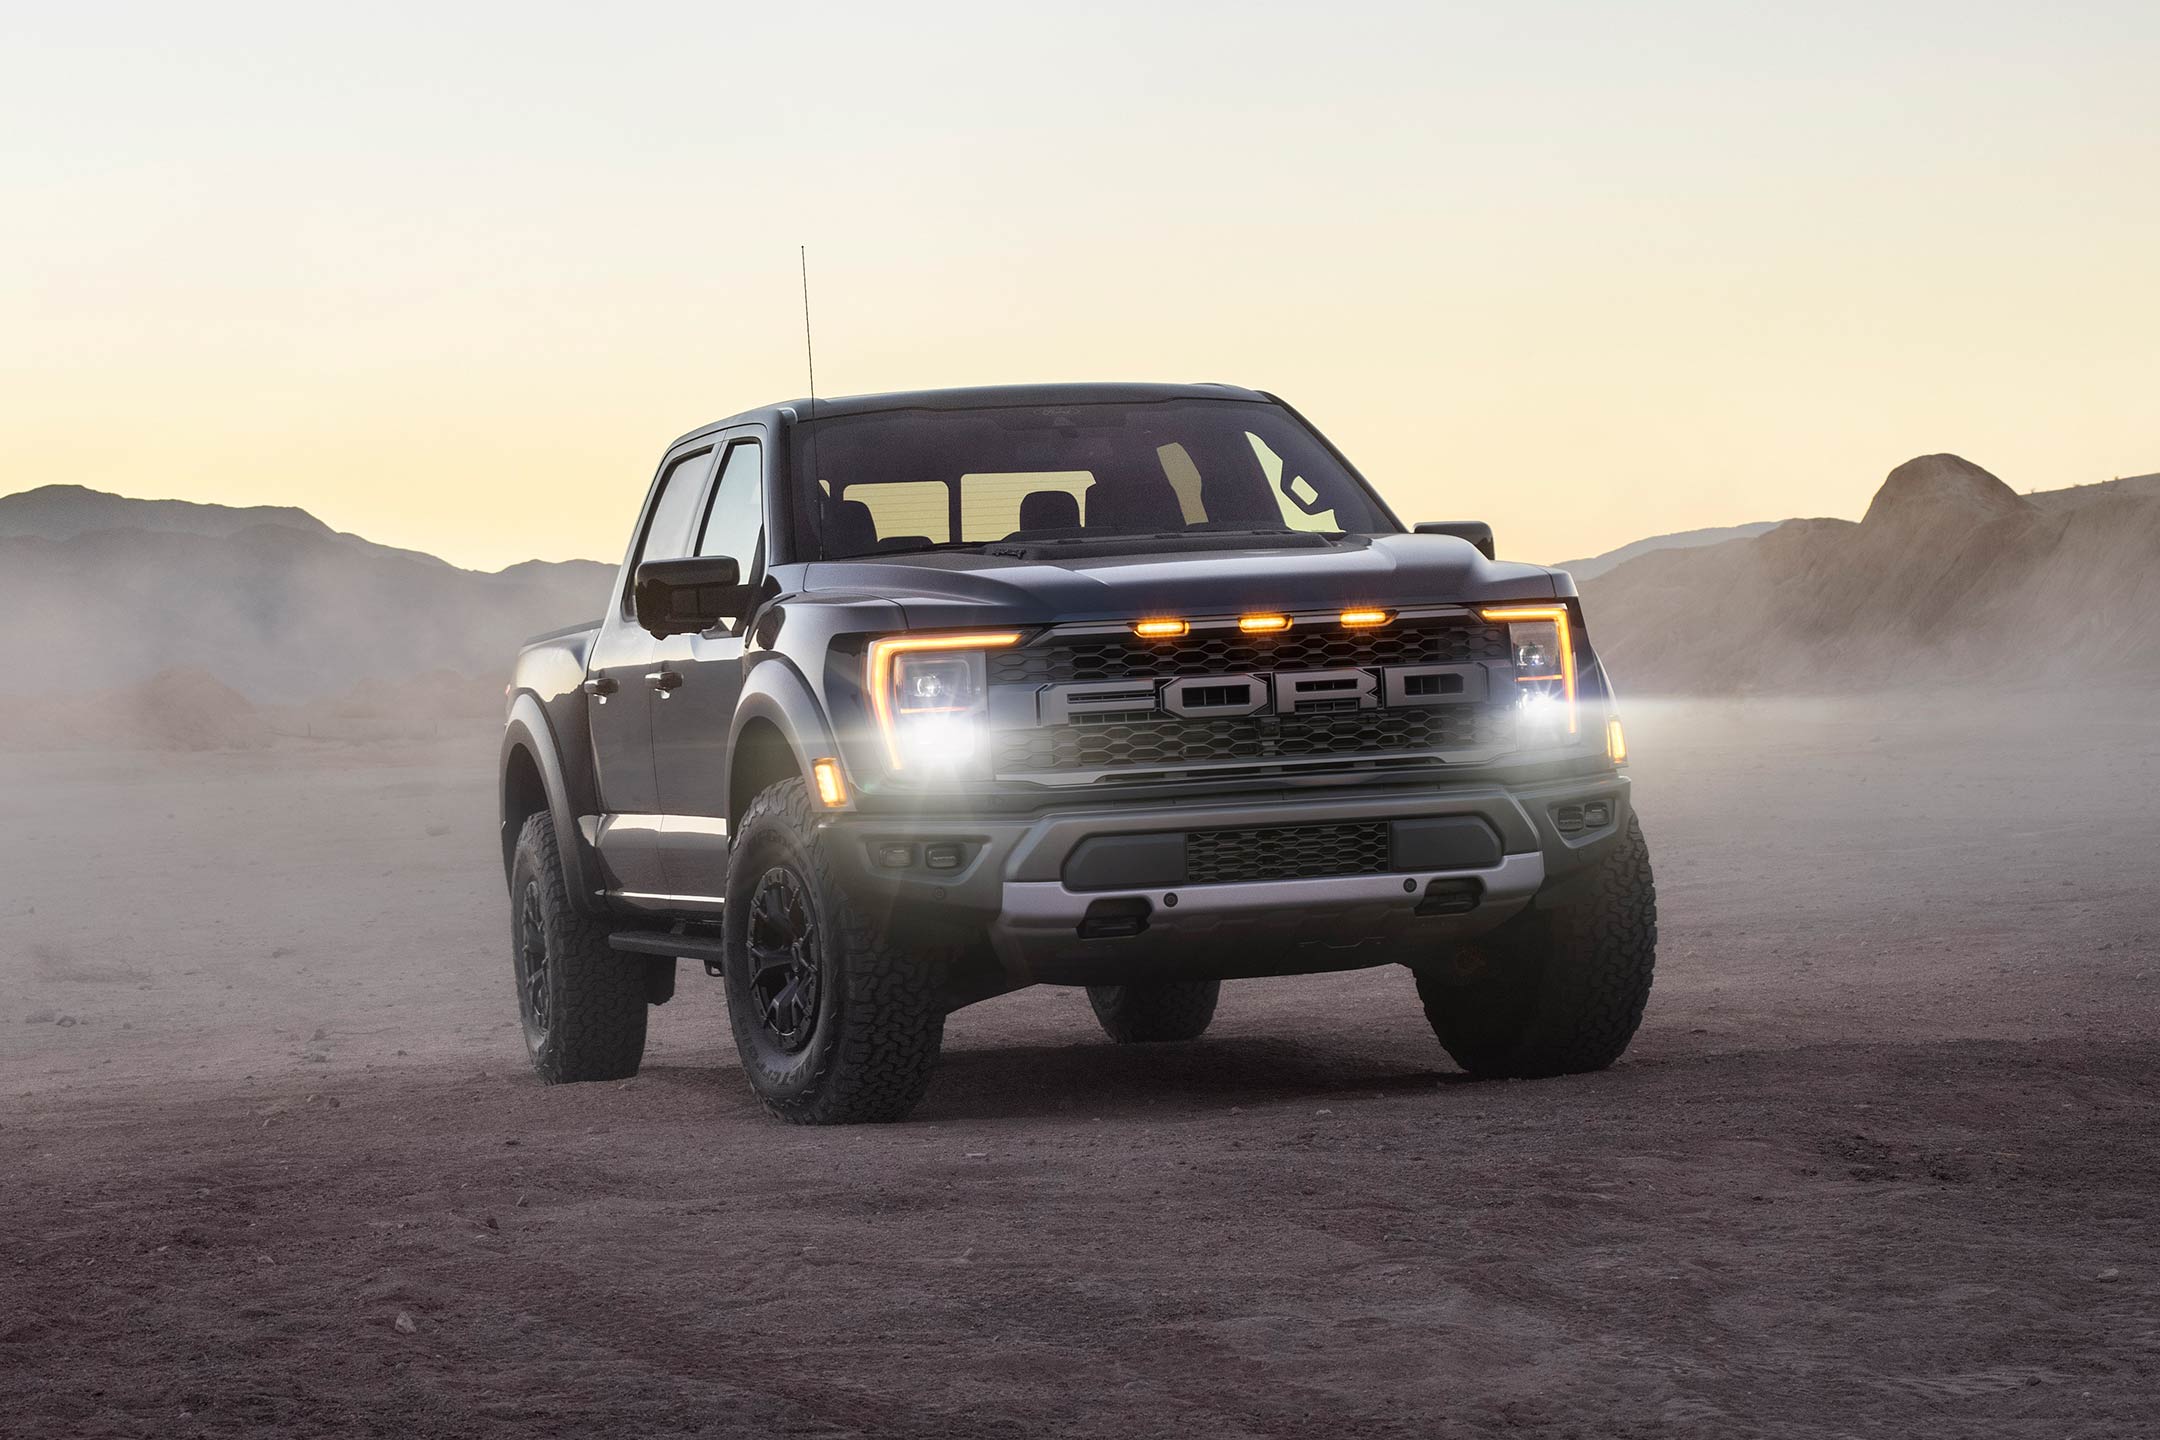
<point x="1951" y="578"/>
<point x="1593" y="566"/>
<point x="99" y="592"/>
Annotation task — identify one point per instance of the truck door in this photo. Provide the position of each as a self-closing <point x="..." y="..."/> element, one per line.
<point x="690" y="722"/>
<point x="620" y="688"/>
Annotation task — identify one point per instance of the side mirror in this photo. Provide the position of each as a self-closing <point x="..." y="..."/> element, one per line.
<point x="1477" y="532"/>
<point x="687" y="596"/>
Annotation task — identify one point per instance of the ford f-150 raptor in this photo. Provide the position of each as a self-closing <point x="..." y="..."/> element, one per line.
<point x="901" y="702"/>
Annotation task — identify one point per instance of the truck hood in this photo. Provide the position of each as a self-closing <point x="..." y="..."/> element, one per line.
<point x="948" y="588"/>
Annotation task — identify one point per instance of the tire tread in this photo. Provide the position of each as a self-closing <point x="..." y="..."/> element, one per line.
<point x="1155" y="1014"/>
<point x="600" y="1006"/>
<point x="892" y="1020"/>
<point x="1566" y="987"/>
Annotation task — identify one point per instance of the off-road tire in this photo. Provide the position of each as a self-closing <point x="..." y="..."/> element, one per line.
<point x="1559" y="990"/>
<point x="590" y="1022"/>
<point x="878" y="1023"/>
<point x="1150" y="1014"/>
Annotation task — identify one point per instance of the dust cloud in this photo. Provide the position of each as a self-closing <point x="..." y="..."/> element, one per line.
<point x="1883" y="1155"/>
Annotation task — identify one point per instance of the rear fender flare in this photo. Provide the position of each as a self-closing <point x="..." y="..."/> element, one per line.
<point x="528" y="729"/>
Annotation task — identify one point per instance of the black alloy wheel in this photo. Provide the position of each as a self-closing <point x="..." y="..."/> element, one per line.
<point x="784" y="961"/>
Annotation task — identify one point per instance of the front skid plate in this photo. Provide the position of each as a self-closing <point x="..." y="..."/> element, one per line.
<point x="1331" y="923"/>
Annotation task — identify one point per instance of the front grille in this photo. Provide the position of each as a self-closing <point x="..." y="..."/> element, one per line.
<point x="1121" y="742"/>
<point x="1287" y="852"/>
<point x="1057" y="659"/>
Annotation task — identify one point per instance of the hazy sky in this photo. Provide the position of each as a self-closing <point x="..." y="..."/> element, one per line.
<point x="451" y="276"/>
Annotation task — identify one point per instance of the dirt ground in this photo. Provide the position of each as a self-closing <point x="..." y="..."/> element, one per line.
<point x="1884" y="1161"/>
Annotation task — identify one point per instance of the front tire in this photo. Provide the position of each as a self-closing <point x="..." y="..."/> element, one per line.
<point x="1152" y="1014"/>
<point x="581" y="1003"/>
<point x="836" y="1025"/>
<point x="1558" y="991"/>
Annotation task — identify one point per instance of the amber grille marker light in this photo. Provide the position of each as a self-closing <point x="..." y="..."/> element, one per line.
<point x="831" y="789"/>
<point x="1160" y="629"/>
<point x="882" y="654"/>
<point x="1363" y="619"/>
<point x="1263" y="624"/>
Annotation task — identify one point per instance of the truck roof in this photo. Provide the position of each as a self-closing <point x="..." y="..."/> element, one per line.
<point x="972" y="397"/>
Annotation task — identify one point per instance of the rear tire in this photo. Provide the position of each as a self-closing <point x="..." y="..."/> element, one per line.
<point x="1153" y="1014"/>
<point x="836" y="1024"/>
<point x="1557" y="991"/>
<point x="581" y="1003"/>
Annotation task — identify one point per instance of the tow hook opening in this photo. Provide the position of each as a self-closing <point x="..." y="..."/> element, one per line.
<point x="1115" y="917"/>
<point x="1451" y="897"/>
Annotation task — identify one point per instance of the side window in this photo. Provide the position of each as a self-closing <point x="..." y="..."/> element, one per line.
<point x="667" y="536"/>
<point x="1184" y="478"/>
<point x="736" y="523"/>
<point x="991" y="505"/>
<point x="1306" y="492"/>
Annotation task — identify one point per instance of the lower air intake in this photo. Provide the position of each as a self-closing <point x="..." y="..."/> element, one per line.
<point x="1286" y="852"/>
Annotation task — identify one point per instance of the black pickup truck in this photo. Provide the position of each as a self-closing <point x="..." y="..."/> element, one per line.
<point x="905" y="701"/>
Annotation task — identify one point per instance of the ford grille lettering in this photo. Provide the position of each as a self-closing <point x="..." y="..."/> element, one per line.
<point x="1285" y="692"/>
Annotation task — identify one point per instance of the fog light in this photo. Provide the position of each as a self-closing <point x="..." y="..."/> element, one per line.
<point x="943" y="857"/>
<point x="896" y="857"/>
<point x="1596" y="814"/>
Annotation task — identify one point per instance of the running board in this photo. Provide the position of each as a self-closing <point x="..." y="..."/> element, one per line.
<point x="666" y="942"/>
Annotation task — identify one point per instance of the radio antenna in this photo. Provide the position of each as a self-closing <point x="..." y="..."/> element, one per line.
<point x="809" y="353"/>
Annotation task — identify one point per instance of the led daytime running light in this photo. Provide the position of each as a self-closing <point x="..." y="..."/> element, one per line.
<point x="882" y="654"/>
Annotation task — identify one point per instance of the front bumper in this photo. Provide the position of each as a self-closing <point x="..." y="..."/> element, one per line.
<point x="1097" y="895"/>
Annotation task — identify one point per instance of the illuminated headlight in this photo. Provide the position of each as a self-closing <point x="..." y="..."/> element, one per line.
<point x="1541" y="643"/>
<point x="930" y="694"/>
<point x="1534" y="645"/>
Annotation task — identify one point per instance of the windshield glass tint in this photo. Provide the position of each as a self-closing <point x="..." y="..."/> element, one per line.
<point x="911" y="479"/>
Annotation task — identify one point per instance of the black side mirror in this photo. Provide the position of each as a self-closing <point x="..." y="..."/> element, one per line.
<point x="1477" y="532"/>
<point x="687" y="596"/>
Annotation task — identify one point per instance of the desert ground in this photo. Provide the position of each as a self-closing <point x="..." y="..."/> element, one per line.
<point x="1884" y="1160"/>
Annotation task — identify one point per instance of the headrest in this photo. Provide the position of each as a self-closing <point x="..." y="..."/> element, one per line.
<point x="849" y="529"/>
<point x="1142" y="504"/>
<point x="1050" y="510"/>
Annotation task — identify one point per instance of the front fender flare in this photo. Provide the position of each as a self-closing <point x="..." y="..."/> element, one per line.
<point x="775" y="691"/>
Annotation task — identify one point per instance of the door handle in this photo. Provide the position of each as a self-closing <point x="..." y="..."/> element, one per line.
<point x="664" y="680"/>
<point x="601" y="685"/>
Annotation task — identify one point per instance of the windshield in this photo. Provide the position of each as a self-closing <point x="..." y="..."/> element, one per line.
<point x="900" y="480"/>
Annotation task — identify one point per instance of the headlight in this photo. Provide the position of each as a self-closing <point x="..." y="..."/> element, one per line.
<point x="929" y="694"/>
<point x="1541" y="641"/>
